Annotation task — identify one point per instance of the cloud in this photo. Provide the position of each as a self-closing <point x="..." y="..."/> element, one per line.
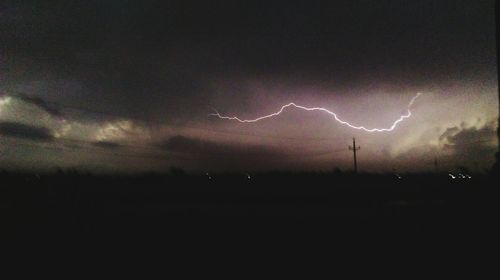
<point x="122" y="129"/>
<point x="471" y="146"/>
<point x="197" y="146"/>
<point x="19" y="130"/>
<point x="106" y="144"/>
<point x="40" y="103"/>
<point x="223" y="155"/>
<point x="460" y="139"/>
<point x="448" y="132"/>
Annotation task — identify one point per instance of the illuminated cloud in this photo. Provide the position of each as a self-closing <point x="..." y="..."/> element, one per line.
<point x="472" y="146"/>
<point x="4" y="100"/>
<point x="121" y="130"/>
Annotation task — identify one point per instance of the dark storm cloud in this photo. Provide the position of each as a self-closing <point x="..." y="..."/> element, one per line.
<point x="449" y="132"/>
<point x="223" y="155"/>
<point x="157" y="58"/>
<point x="476" y="142"/>
<point x="471" y="146"/>
<point x="73" y="146"/>
<point x="19" y="130"/>
<point x="40" y="103"/>
<point x="461" y="145"/>
<point x="170" y="61"/>
<point x="106" y="144"/>
<point x="201" y="147"/>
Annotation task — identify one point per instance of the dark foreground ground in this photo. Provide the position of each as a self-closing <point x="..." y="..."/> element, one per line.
<point x="288" y="208"/>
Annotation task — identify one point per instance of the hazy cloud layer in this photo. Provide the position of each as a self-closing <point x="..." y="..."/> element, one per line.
<point x="216" y="155"/>
<point x="18" y="130"/>
<point x="106" y="144"/>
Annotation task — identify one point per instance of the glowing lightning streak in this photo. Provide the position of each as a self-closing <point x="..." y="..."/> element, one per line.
<point x="391" y="128"/>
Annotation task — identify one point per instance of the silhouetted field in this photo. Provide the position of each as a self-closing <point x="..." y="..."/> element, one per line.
<point x="67" y="205"/>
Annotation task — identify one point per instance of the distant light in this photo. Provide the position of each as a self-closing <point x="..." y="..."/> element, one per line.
<point x="452" y="176"/>
<point x="209" y="177"/>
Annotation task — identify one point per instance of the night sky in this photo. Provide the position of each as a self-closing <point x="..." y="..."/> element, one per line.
<point x="108" y="86"/>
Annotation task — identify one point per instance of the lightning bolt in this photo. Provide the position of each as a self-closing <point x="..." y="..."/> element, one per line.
<point x="391" y="128"/>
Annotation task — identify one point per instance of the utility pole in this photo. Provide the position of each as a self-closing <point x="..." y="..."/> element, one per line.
<point x="353" y="148"/>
